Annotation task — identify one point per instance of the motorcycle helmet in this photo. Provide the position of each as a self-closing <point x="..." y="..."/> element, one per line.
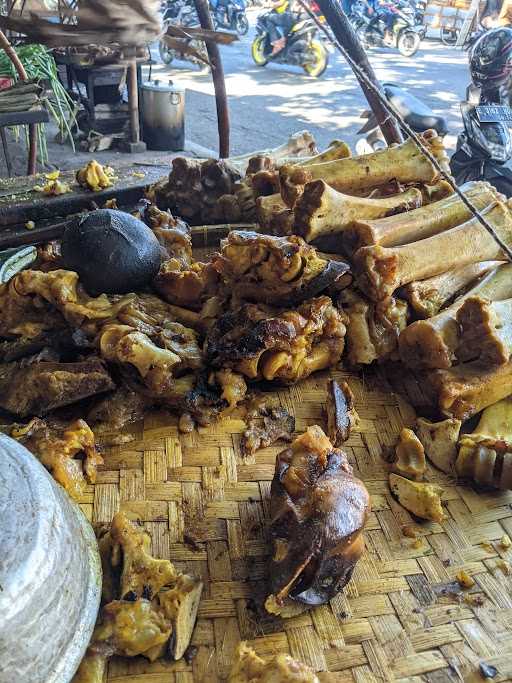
<point x="490" y="59"/>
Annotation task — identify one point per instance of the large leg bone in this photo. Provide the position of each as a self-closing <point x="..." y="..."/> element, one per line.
<point x="322" y="210"/>
<point x="466" y="389"/>
<point x="421" y="223"/>
<point x="381" y="270"/>
<point x="298" y="144"/>
<point x="486" y="331"/>
<point x="431" y="343"/>
<point x="427" y="297"/>
<point x="266" y="181"/>
<point x="403" y="163"/>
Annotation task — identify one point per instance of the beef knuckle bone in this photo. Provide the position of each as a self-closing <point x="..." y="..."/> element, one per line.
<point x="404" y="163"/>
<point x="322" y="210"/>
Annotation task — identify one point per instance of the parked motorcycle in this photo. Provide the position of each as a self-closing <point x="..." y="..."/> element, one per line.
<point x="484" y="148"/>
<point x="303" y="47"/>
<point x="371" y="30"/>
<point x="181" y="13"/>
<point x="416" y="113"/>
<point x="231" y="16"/>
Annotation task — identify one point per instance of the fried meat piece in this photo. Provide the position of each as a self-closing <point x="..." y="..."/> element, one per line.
<point x="39" y="388"/>
<point x="410" y="459"/>
<point x="114" y="411"/>
<point x="318" y="510"/>
<point x="249" y="668"/>
<point x="67" y="450"/>
<point x="341" y="414"/>
<point x="173" y="235"/>
<point x="135" y="330"/>
<point x="188" y="285"/>
<point x="279" y="271"/>
<point x="282" y="345"/>
<point x="150" y="607"/>
<point x="24" y="316"/>
<point x="423" y="500"/>
<point x="373" y="328"/>
<point x="277" y="424"/>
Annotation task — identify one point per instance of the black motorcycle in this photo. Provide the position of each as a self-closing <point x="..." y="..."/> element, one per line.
<point x="230" y="16"/>
<point x="408" y="31"/>
<point x="182" y="13"/>
<point x="484" y="148"/>
<point x="416" y="113"/>
<point x="303" y="46"/>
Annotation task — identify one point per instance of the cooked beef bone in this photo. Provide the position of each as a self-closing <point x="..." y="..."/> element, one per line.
<point x="42" y="387"/>
<point x="278" y="424"/>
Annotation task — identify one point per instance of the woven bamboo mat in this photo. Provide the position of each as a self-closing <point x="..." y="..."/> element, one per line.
<point x="402" y="617"/>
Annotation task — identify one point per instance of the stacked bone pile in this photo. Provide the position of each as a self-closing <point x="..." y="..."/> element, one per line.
<point x="431" y="288"/>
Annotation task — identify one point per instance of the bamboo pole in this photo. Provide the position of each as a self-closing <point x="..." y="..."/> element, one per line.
<point x="219" y="83"/>
<point x="32" y="129"/>
<point x="345" y="35"/>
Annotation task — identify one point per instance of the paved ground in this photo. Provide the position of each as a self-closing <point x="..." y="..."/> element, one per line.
<point x="269" y="103"/>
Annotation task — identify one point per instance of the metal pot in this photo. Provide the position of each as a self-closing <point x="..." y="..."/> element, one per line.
<point x="50" y="573"/>
<point x="163" y="115"/>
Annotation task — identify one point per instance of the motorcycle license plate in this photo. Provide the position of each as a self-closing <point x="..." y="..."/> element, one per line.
<point x="490" y="113"/>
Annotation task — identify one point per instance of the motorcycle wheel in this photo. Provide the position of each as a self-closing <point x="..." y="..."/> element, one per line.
<point x="258" y="51"/>
<point x="317" y="59"/>
<point x="241" y="24"/>
<point x="408" y="43"/>
<point x="167" y="54"/>
<point x="449" y="36"/>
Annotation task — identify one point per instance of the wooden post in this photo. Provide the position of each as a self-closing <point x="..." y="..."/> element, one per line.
<point x="133" y="102"/>
<point x="219" y="83"/>
<point x="22" y="74"/>
<point x="345" y="35"/>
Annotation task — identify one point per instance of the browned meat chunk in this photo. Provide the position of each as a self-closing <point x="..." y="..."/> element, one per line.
<point x="318" y="510"/>
<point x="277" y="424"/>
<point x="341" y="414"/>
<point x="281" y="271"/>
<point x="66" y="450"/>
<point x="39" y="388"/>
<point x="285" y="346"/>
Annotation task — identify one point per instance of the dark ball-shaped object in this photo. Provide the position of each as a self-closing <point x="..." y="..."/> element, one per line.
<point x="111" y="251"/>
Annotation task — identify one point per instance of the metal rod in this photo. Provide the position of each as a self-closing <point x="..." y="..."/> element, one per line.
<point x="346" y="37"/>
<point x="32" y="129"/>
<point x="219" y="83"/>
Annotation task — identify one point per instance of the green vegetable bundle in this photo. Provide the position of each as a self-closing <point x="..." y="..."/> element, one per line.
<point x="40" y="65"/>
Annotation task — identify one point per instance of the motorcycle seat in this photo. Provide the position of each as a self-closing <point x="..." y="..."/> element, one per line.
<point x="415" y="112"/>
